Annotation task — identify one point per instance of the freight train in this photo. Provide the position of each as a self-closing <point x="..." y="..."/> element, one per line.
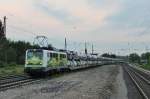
<point x="46" y="61"/>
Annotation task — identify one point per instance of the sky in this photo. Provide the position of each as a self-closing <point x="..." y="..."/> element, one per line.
<point x="113" y="26"/>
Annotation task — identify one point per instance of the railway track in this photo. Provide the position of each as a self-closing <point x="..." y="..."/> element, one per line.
<point x="12" y="78"/>
<point x="15" y="81"/>
<point x="21" y="80"/>
<point x="141" y="81"/>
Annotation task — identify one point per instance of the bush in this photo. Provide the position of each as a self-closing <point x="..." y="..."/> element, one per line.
<point x="2" y="64"/>
<point x="12" y="64"/>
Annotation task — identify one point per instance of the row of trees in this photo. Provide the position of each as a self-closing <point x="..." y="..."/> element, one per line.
<point x="134" y="57"/>
<point x="109" y="55"/>
<point x="144" y="58"/>
<point x="13" y="52"/>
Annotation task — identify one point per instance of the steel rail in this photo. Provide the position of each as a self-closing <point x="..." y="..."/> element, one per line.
<point x="137" y="85"/>
<point x="17" y="84"/>
<point x="138" y="74"/>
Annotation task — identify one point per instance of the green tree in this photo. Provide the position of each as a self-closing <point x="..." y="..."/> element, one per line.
<point x="134" y="57"/>
<point x="109" y="55"/>
<point x="13" y="51"/>
<point x="105" y="55"/>
<point x="11" y="55"/>
<point x="146" y="56"/>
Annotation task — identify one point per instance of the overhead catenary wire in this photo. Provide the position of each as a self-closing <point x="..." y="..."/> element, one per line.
<point x="25" y="31"/>
<point x="21" y="29"/>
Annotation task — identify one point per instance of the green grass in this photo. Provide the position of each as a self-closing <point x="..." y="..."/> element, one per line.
<point x="146" y="66"/>
<point x="11" y="70"/>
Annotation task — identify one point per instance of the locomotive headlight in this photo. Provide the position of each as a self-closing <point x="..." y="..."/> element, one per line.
<point x="41" y="63"/>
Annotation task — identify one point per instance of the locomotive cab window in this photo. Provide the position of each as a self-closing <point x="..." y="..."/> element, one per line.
<point x="31" y="54"/>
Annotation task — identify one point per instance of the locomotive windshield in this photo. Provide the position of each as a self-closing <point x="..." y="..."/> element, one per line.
<point x="34" y="57"/>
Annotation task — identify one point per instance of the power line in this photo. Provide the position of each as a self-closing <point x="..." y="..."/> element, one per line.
<point x="21" y="29"/>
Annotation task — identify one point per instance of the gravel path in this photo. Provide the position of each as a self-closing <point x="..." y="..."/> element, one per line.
<point x="105" y="82"/>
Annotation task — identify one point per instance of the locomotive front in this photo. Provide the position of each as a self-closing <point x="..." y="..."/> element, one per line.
<point x="34" y="61"/>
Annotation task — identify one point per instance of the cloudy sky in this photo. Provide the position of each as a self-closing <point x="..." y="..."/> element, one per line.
<point x="117" y="26"/>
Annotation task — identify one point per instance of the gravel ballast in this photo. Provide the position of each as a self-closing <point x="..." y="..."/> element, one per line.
<point x="105" y="82"/>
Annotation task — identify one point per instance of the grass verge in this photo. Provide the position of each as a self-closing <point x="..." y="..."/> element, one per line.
<point x="11" y="70"/>
<point x="146" y="66"/>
